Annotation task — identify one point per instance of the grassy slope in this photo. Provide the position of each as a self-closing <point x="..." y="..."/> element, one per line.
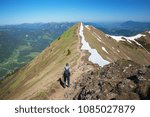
<point x="127" y="51"/>
<point x="44" y="70"/>
<point x="18" y="41"/>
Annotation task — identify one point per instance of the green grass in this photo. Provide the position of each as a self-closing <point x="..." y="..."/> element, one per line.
<point x="68" y="52"/>
<point x="47" y="64"/>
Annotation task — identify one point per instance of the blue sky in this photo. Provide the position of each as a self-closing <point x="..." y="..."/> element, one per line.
<point x="31" y="11"/>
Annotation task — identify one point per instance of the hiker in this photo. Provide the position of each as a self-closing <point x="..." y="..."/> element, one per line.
<point x="67" y="75"/>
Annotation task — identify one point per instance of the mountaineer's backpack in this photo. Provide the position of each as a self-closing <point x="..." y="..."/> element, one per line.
<point x="67" y="71"/>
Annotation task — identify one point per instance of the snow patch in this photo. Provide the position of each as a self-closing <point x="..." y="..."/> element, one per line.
<point x="97" y="37"/>
<point x="88" y="27"/>
<point x="129" y="39"/>
<point x="103" y="48"/>
<point x="118" y="50"/>
<point x="122" y="38"/>
<point x="117" y="38"/>
<point x="148" y="31"/>
<point x="135" y="37"/>
<point x="94" y="57"/>
<point x="130" y="65"/>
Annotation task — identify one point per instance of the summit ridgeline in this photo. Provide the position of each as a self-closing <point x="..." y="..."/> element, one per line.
<point x="102" y="67"/>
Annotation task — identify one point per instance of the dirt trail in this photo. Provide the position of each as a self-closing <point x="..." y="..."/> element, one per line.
<point x="76" y="71"/>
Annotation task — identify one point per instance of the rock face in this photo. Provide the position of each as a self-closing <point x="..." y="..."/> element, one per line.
<point x="123" y="79"/>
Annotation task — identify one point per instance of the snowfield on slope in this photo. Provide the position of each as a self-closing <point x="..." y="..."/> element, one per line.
<point x="129" y="39"/>
<point x="94" y="57"/>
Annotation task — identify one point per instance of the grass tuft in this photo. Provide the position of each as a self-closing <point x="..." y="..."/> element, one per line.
<point x="68" y="52"/>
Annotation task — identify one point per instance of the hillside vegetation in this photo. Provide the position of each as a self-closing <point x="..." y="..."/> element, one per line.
<point x="39" y="74"/>
<point x="19" y="44"/>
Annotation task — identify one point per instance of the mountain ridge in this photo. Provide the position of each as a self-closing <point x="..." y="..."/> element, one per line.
<point x="40" y="78"/>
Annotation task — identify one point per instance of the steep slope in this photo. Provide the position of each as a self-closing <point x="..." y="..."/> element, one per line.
<point x="44" y="70"/>
<point x="87" y="50"/>
<point x="113" y="48"/>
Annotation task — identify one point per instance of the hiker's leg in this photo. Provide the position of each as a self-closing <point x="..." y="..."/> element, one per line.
<point x="68" y="81"/>
<point x="64" y="81"/>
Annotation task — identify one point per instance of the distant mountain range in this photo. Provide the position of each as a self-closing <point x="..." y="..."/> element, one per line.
<point x="128" y="28"/>
<point x="133" y="24"/>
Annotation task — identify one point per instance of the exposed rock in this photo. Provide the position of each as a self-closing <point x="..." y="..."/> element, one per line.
<point x="122" y="79"/>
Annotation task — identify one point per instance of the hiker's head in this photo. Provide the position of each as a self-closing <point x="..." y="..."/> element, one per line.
<point x="67" y="64"/>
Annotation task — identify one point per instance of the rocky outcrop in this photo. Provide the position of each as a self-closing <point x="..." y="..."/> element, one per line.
<point x="123" y="79"/>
